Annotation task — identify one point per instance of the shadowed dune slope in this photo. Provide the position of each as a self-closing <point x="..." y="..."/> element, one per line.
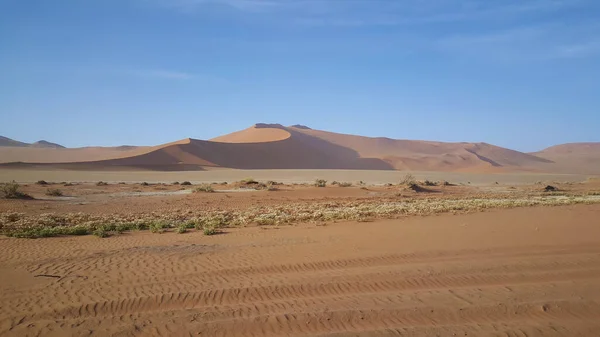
<point x="435" y="156"/>
<point x="296" y="151"/>
<point x="273" y="146"/>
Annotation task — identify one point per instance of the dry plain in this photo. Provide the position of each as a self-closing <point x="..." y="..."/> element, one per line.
<point x="478" y="259"/>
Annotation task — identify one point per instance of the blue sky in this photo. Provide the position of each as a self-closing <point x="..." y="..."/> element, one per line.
<point x="523" y="74"/>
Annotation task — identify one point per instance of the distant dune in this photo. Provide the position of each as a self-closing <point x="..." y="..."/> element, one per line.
<point x="573" y="157"/>
<point x="273" y="146"/>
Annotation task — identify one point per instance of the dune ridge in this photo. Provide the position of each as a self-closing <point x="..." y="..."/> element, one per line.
<point x="274" y="146"/>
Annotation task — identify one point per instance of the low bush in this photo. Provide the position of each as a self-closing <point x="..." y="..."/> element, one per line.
<point x="181" y="229"/>
<point x="54" y="192"/>
<point x="320" y="183"/>
<point x="186" y="183"/>
<point x="210" y="231"/>
<point x="101" y="232"/>
<point x="345" y="184"/>
<point x="42" y="182"/>
<point x="206" y="188"/>
<point x="429" y="183"/>
<point x="158" y="227"/>
<point x="12" y="190"/>
<point x="101" y="183"/>
<point x="408" y="180"/>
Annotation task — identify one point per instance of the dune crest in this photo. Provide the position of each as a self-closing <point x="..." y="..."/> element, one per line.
<point x="259" y="133"/>
<point x="274" y="146"/>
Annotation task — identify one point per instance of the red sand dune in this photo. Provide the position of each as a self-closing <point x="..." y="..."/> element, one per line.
<point x="273" y="146"/>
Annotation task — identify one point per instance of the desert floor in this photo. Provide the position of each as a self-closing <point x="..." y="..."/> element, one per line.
<point x="525" y="271"/>
<point x="286" y="176"/>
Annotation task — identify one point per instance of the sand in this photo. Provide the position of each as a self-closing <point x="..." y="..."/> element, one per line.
<point x="519" y="272"/>
<point x="287" y="176"/>
<point x="273" y="146"/>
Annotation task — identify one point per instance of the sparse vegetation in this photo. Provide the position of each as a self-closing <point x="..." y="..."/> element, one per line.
<point x="272" y="186"/>
<point x="101" y="232"/>
<point x="158" y="227"/>
<point x="345" y="184"/>
<point x="550" y="188"/>
<point x="408" y="180"/>
<point x="144" y="184"/>
<point x="67" y="184"/>
<point x="320" y="183"/>
<point x="54" y="192"/>
<point x="47" y="225"/>
<point x="206" y="188"/>
<point x="42" y="182"/>
<point x="175" y="183"/>
<point x="428" y="182"/>
<point x="210" y="231"/>
<point x="186" y="183"/>
<point x="334" y="183"/>
<point x="12" y="190"/>
<point x="101" y="183"/>
<point x="181" y="229"/>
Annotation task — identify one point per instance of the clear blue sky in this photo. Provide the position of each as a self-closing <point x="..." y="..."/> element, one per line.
<point x="523" y="74"/>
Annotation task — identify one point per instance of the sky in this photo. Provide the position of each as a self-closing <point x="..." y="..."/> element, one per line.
<point x="522" y="74"/>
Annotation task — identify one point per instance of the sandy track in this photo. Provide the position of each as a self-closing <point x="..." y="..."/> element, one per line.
<point x="519" y="272"/>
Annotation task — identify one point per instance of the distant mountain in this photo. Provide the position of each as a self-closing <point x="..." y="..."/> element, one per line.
<point x="274" y="146"/>
<point x="46" y="144"/>
<point x="4" y="141"/>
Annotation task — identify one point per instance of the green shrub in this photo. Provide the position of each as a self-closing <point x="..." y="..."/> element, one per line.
<point x="77" y="230"/>
<point x="206" y="188"/>
<point x="210" y="231"/>
<point x="320" y="183"/>
<point x="190" y="224"/>
<point x="158" y="227"/>
<point x="12" y="190"/>
<point x="101" y="232"/>
<point x="54" y="192"/>
<point x="181" y="229"/>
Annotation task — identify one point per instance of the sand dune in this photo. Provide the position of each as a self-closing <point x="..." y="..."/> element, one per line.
<point x="273" y="146"/>
<point x="259" y="133"/>
<point x="520" y="272"/>
<point x="584" y="157"/>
